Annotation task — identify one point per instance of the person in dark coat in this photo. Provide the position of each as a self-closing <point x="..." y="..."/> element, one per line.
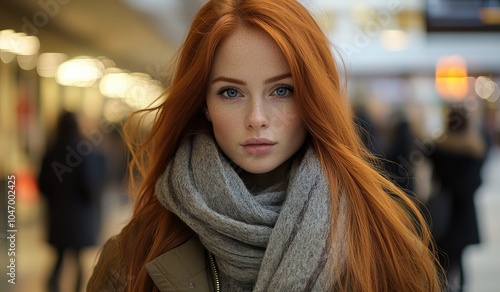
<point x="71" y="179"/>
<point x="392" y="140"/>
<point x="398" y="150"/>
<point x="457" y="161"/>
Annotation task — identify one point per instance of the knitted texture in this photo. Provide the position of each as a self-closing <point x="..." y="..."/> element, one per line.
<point x="278" y="239"/>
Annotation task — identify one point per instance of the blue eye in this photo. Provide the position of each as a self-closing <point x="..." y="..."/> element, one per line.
<point x="228" y="92"/>
<point x="283" y="91"/>
<point x="231" y="93"/>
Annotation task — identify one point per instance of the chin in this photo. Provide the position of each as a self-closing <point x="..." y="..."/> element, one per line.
<point x="254" y="167"/>
<point x="256" y="170"/>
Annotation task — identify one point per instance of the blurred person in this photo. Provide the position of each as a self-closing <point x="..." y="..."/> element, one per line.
<point x="71" y="178"/>
<point x="397" y="151"/>
<point x="457" y="160"/>
<point x="366" y="126"/>
<point x="387" y="134"/>
<point x="254" y="177"/>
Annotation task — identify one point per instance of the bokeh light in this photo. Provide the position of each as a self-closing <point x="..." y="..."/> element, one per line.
<point x="487" y="89"/>
<point x="80" y="72"/>
<point x="451" y="78"/>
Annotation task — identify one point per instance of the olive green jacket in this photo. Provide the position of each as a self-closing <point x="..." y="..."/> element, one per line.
<point x="188" y="267"/>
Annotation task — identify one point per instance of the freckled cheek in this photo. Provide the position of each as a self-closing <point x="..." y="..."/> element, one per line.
<point x="289" y="121"/>
<point x="286" y="117"/>
<point x="224" y="122"/>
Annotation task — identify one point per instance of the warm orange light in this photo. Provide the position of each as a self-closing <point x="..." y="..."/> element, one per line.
<point x="451" y="78"/>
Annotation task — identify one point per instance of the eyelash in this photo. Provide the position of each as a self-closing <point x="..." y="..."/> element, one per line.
<point x="287" y="87"/>
<point x="224" y="89"/>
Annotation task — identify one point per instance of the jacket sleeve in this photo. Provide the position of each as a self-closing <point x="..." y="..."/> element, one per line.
<point x="108" y="275"/>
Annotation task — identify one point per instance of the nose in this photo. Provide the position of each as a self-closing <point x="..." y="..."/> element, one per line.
<point x="256" y="115"/>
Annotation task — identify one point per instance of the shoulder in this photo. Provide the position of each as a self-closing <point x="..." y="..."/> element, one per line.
<point x="108" y="274"/>
<point x="182" y="268"/>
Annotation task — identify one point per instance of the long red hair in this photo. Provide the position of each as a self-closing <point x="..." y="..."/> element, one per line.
<point x="388" y="241"/>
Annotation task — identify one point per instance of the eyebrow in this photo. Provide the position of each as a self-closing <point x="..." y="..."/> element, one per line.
<point x="277" y="78"/>
<point x="241" y="82"/>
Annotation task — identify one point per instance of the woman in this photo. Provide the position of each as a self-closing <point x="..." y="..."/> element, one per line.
<point x="254" y="176"/>
<point x="71" y="184"/>
<point x="457" y="160"/>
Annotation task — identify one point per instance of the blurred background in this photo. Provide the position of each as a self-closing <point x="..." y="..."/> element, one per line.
<point x="407" y="64"/>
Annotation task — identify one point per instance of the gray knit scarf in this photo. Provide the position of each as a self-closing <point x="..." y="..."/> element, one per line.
<point x="274" y="240"/>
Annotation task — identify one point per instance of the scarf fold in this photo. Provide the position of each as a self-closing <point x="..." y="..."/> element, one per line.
<point x="276" y="240"/>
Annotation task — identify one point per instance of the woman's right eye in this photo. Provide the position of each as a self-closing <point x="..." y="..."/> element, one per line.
<point x="228" y="92"/>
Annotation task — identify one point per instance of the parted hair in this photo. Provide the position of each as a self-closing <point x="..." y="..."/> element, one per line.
<point x="389" y="244"/>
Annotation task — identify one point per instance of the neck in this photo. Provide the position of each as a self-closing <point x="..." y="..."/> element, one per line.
<point x="264" y="180"/>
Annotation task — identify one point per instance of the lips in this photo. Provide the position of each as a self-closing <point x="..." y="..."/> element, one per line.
<point x="258" y="146"/>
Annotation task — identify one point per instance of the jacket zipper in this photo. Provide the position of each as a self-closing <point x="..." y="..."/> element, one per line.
<point x="215" y="272"/>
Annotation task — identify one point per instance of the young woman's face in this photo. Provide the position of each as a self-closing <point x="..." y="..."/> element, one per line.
<point x="250" y="102"/>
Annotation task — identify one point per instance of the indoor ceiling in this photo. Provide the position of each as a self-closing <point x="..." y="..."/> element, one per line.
<point x="123" y="31"/>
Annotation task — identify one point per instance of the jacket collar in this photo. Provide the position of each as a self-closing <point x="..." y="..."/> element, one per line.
<point x="183" y="268"/>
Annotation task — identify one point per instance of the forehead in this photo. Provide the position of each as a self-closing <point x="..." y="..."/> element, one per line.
<point x="248" y="50"/>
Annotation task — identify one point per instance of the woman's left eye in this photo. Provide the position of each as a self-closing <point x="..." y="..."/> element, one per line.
<point x="283" y="91"/>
